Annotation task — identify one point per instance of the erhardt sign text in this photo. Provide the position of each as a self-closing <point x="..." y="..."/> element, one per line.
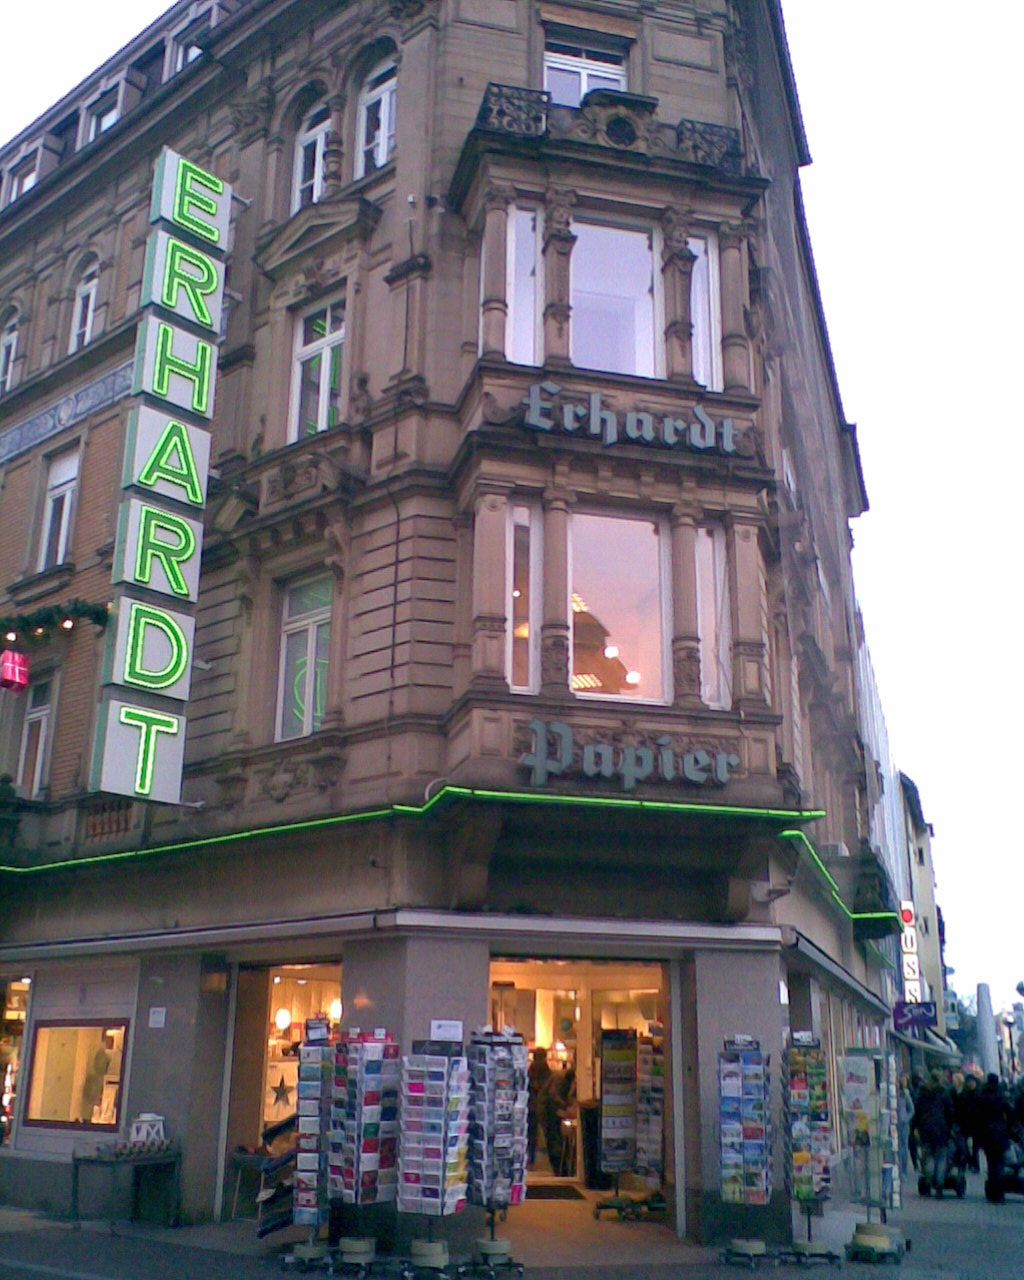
<point x="140" y="733"/>
<point x="545" y="408"/>
<point x="555" y="754"/>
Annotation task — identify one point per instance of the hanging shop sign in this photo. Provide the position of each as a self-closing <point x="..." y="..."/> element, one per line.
<point x="555" y="753"/>
<point x="911" y="961"/>
<point x="546" y="408"/>
<point x="140" y="734"/>
<point x="917" y="1013"/>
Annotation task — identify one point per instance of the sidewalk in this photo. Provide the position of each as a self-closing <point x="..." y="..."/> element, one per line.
<point x="951" y="1240"/>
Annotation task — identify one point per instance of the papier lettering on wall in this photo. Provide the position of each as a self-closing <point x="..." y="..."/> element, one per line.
<point x="140" y="733"/>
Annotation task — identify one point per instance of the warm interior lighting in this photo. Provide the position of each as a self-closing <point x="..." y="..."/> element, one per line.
<point x="282" y="1020"/>
<point x="632" y="677"/>
<point x="516" y="594"/>
<point x="611" y="651"/>
<point x="335" y="1010"/>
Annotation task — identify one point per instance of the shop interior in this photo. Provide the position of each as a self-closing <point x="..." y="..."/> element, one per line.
<point x="14" y="993"/>
<point x="297" y="992"/>
<point x="562" y="1008"/>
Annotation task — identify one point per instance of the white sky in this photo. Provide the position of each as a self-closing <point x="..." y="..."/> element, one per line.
<point x="908" y="106"/>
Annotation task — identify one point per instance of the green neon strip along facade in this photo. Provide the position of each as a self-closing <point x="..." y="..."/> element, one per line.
<point x="444" y="795"/>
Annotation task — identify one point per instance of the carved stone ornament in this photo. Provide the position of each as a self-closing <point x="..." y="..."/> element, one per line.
<point x="511" y="109"/>
<point x="675" y="226"/>
<point x="251" y="113"/>
<point x="554" y="661"/>
<point x="623" y="121"/>
<point x="283" y="779"/>
<point x="713" y="145"/>
<point x="360" y="401"/>
<point x="686" y="671"/>
<point x="558" y="207"/>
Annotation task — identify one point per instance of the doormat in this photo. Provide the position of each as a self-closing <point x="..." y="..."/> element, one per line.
<point x="554" y="1193"/>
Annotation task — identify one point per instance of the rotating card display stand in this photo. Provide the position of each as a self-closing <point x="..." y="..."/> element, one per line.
<point x="618" y="1114"/>
<point x="499" y="1102"/>
<point x="434" y="1131"/>
<point x="363" y="1160"/>
<point x="310" y="1203"/>
<point x="744" y="1101"/>
<point x="868" y="1122"/>
<point x="808" y="1139"/>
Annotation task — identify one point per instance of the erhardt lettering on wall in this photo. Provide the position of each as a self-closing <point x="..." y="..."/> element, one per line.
<point x="546" y="408"/>
<point x="555" y="754"/>
<point x="147" y="674"/>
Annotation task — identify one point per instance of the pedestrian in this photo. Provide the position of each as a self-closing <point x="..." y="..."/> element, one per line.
<point x="965" y="1108"/>
<point x="539" y="1075"/>
<point x="933" y="1123"/>
<point x="994" y="1130"/>
<point x="904" y="1121"/>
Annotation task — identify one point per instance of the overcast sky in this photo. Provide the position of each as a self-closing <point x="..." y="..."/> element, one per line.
<point x="911" y="199"/>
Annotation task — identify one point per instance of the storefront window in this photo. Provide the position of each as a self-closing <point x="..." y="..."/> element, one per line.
<point x="14" y="994"/>
<point x="75" y="1074"/>
<point x="618" y="626"/>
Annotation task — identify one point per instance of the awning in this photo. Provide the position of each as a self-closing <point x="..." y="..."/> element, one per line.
<point x="935" y="1046"/>
<point x="816" y="958"/>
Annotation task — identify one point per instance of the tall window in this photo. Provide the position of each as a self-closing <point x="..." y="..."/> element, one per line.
<point x="84" y="311"/>
<point x="619" y="577"/>
<point x="714" y="618"/>
<point x="8" y="350"/>
<point x="33" y="757"/>
<point x="524" y="273"/>
<point x="378" y="105"/>
<point x="61" y="483"/>
<point x="305" y="645"/>
<point x="103" y="115"/>
<point x="319" y="351"/>
<point x="308" y="185"/>
<point x="614" y="300"/>
<point x="524" y="598"/>
<point x="76" y="1072"/>
<point x="23" y="178"/>
<point x="704" y="312"/>
<point x="572" y="71"/>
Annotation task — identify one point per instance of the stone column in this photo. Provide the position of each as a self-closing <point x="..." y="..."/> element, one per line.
<point x="748" y="647"/>
<point x="334" y="146"/>
<point x="735" y="345"/>
<point x="555" y="630"/>
<point x="493" y="269"/>
<point x="558" y="243"/>
<point x="685" y="623"/>
<point x="677" y="259"/>
<point x="489" y="606"/>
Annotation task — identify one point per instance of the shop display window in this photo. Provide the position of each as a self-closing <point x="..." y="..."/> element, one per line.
<point x="619" y="577"/>
<point x="14" y="997"/>
<point x="75" y="1074"/>
<point x="297" y="992"/>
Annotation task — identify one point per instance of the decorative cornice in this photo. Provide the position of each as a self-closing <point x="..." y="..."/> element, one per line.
<point x="66" y="412"/>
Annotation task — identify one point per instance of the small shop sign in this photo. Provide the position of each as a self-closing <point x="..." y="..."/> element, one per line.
<point x="555" y="753"/>
<point x="140" y="732"/>
<point x="919" y="1013"/>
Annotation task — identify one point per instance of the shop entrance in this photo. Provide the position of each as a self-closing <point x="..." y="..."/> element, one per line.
<point x="586" y="1022"/>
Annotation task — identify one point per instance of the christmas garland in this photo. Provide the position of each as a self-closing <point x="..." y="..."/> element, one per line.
<point x="54" y="619"/>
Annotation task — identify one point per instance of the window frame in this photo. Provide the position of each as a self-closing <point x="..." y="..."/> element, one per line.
<point x="716" y="377"/>
<point x="107" y="102"/>
<point x="8" y="351"/>
<point x="52" y="493"/>
<point x="536" y="579"/>
<point x="665" y="585"/>
<point x="723" y="635"/>
<point x="387" y="94"/>
<point x="315" y="135"/>
<point x="655" y="240"/>
<point x="76" y="1126"/>
<point x="309" y="622"/>
<point x="306" y="351"/>
<point x="22" y="177"/>
<point x="43" y="716"/>
<point x="585" y="65"/>
<point x="512" y="303"/>
<point x="85" y="292"/>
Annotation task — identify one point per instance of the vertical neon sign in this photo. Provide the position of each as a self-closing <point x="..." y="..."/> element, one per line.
<point x="140" y="734"/>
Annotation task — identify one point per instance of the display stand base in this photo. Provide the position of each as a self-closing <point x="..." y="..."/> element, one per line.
<point x="748" y="1253"/>
<point x="806" y="1252"/>
<point x="873" y="1242"/>
<point x="313" y="1256"/>
<point x="492" y="1260"/>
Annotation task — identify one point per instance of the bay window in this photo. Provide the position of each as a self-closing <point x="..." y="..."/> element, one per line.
<point x="305" y="650"/>
<point x="317" y="373"/>
<point x="614" y="300"/>
<point x="619" y="573"/>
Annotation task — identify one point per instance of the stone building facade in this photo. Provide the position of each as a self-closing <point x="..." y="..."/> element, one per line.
<point x="526" y="633"/>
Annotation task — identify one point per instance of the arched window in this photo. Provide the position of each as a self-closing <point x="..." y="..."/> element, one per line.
<point x="378" y="106"/>
<point x="8" y="349"/>
<point x="310" y="144"/>
<point x="84" y="311"/>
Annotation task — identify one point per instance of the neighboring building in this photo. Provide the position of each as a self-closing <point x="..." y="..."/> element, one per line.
<point x="930" y="931"/>
<point x="527" y="644"/>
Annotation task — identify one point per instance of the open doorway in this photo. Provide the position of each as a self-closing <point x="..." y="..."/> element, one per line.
<point x="571" y="1012"/>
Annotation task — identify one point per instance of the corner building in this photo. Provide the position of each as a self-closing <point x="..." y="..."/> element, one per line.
<point x="525" y="679"/>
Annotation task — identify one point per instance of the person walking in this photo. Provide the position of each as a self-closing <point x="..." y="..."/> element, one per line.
<point x="933" y="1124"/>
<point x="539" y="1076"/>
<point x="965" y="1109"/>
<point x="994" y="1131"/>
<point x="904" y="1120"/>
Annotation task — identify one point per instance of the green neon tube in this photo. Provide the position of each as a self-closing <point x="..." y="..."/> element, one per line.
<point x="833" y="885"/>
